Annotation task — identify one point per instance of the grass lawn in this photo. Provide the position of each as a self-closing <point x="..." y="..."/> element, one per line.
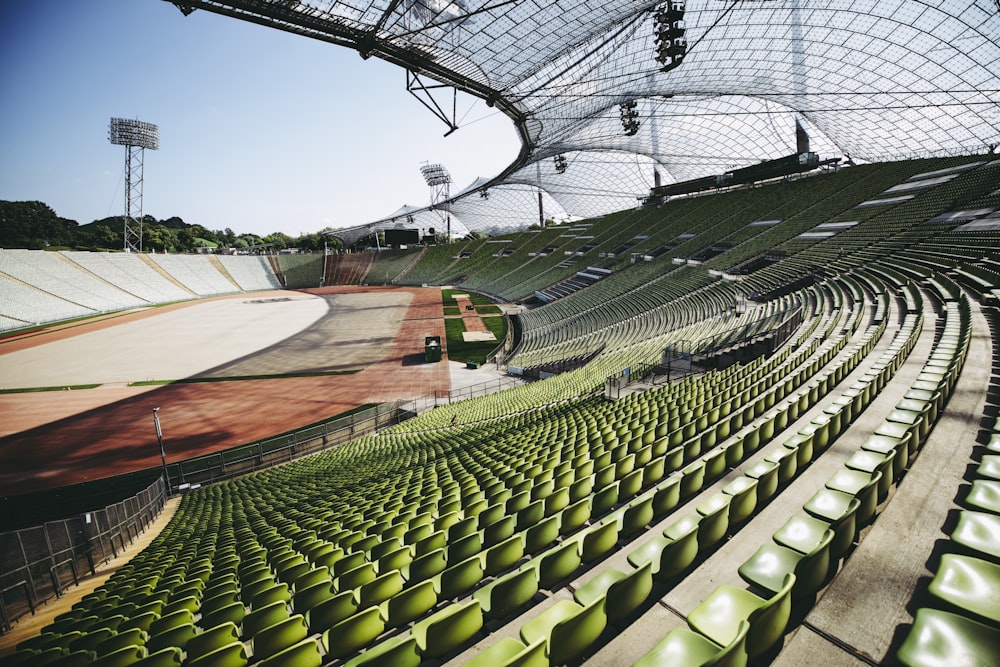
<point x="448" y="298"/>
<point x="459" y="350"/>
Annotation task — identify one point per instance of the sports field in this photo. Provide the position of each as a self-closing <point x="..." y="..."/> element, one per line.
<point x="276" y="361"/>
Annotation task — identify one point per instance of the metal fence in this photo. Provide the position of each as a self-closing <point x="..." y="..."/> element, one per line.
<point x="38" y="563"/>
<point x="283" y="448"/>
<point x="430" y="401"/>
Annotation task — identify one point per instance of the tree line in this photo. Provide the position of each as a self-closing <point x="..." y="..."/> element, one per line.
<point x="35" y="226"/>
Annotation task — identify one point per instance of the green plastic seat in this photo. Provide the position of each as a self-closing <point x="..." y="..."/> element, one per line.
<point x="510" y="592"/>
<point x="409" y="604"/>
<point x="309" y="596"/>
<point x="871" y="462"/>
<point x="719" y="616"/>
<point x="167" y="657"/>
<point x="426" y="566"/>
<point x="649" y="552"/>
<point x="839" y="510"/>
<point x="771" y="563"/>
<point x="221" y="597"/>
<point x="393" y="652"/>
<point x="666" y="497"/>
<point x="692" y="479"/>
<point x="348" y="563"/>
<point x="801" y="533"/>
<point x="332" y="611"/>
<point x="568" y="628"/>
<point x="978" y="532"/>
<point x="498" y="531"/>
<point x="189" y="602"/>
<point x="743" y="491"/>
<point x="448" y="629"/>
<point x="230" y="655"/>
<point x="557" y="564"/>
<point x="942" y="638"/>
<point x="598" y="540"/>
<point x="312" y="577"/>
<point x="259" y="619"/>
<point x="863" y="486"/>
<point x="464" y="547"/>
<point x="46" y="640"/>
<point x="394" y="560"/>
<point x="605" y="499"/>
<point x="121" y="657"/>
<point x="624" y="592"/>
<point x="509" y="652"/>
<point x="682" y="551"/>
<point x="357" y="577"/>
<point x="177" y="636"/>
<point x="787" y="462"/>
<point x="504" y="555"/>
<point x="48" y="656"/>
<point x="133" y="637"/>
<point x="542" y="534"/>
<point x="714" y="522"/>
<point x="353" y="633"/>
<point x="574" y="516"/>
<point x="984" y="495"/>
<point x="305" y="653"/>
<point x="90" y="640"/>
<point x="140" y="621"/>
<point x="234" y="613"/>
<point x="380" y="589"/>
<point x="883" y="444"/>
<point x="278" y="637"/>
<point x="635" y="516"/>
<point x="212" y="639"/>
<point x="167" y="621"/>
<point x="970" y="584"/>
<point x="766" y="474"/>
<point x="691" y="649"/>
<point x="260" y="583"/>
<point x="459" y="578"/>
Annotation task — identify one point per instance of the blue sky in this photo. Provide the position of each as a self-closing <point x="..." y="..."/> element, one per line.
<point x="260" y="130"/>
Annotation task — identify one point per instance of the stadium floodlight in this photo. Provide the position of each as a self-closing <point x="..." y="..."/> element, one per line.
<point x="439" y="181"/>
<point x="136" y="136"/>
<point x="435" y="174"/>
<point x="630" y="118"/>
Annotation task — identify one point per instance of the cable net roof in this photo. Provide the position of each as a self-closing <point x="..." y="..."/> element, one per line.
<point x="870" y="79"/>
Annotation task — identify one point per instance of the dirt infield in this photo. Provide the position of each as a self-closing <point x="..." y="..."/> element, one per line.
<point x="57" y="438"/>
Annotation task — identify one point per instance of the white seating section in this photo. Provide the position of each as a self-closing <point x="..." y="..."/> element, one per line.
<point x="37" y="286"/>
<point x="23" y="306"/>
<point x="51" y="273"/>
<point x="196" y="273"/>
<point x="250" y="273"/>
<point x="131" y="273"/>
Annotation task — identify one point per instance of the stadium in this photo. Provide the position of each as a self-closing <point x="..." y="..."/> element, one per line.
<point x="742" y="408"/>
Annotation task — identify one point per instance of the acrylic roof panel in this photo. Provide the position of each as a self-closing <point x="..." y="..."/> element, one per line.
<point x="872" y="79"/>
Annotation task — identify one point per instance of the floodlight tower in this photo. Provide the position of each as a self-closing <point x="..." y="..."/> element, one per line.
<point x="439" y="181"/>
<point x="136" y="137"/>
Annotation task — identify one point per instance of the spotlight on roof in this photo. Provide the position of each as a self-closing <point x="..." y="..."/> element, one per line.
<point x="630" y="118"/>
<point x="668" y="30"/>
